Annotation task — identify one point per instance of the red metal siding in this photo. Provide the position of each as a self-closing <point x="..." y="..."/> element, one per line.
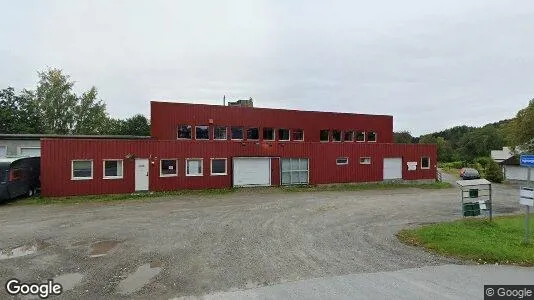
<point x="57" y="155"/>
<point x="166" y="116"/>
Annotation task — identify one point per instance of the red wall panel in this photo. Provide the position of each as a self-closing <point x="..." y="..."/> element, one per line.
<point x="57" y="155"/>
<point x="166" y="116"/>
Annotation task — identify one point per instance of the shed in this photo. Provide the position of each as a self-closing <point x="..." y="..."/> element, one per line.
<point x="513" y="170"/>
<point x="476" y="196"/>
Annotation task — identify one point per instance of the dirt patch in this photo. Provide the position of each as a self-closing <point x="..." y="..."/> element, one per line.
<point x="102" y="248"/>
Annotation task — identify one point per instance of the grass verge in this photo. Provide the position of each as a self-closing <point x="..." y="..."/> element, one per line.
<point x="150" y="195"/>
<point x="500" y="241"/>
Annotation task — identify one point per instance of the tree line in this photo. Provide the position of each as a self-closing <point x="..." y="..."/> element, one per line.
<point x="467" y="144"/>
<point x="54" y="108"/>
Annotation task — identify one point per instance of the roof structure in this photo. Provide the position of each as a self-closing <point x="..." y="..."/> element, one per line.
<point x="24" y="136"/>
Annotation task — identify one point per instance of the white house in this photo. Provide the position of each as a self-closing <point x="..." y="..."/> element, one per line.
<point x="501" y="155"/>
<point x="512" y="170"/>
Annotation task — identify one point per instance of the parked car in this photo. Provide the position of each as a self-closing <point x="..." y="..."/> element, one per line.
<point x="19" y="177"/>
<point x="469" y="173"/>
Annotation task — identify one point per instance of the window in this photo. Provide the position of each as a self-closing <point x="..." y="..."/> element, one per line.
<point x="220" y="133"/>
<point x="283" y="134"/>
<point x="30" y="151"/>
<point x="168" y="167"/>
<point x="336" y="135"/>
<point x="371" y="136"/>
<point x="360" y="136"/>
<point x="348" y="136"/>
<point x="365" y="160"/>
<point x="184" y="132"/>
<point x="268" y="134"/>
<point x="202" y="132"/>
<point x="237" y="133"/>
<point x="3" y="151"/>
<point x="342" y="161"/>
<point x="218" y="166"/>
<point x="112" y="168"/>
<point x="324" y="135"/>
<point x="425" y="162"/>
<point x="294" y="171"/>
<point x="193" y="167"/>
<point x="298" y="135"/>
<point x="253" y="134"/>
<point x="82" y="169"/>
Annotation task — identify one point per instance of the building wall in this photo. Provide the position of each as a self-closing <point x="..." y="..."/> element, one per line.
<point x="515" y="172"/>
<point x="14" y="145"/>
<point x="58" y="153"/>
<point x="166" y="116"/>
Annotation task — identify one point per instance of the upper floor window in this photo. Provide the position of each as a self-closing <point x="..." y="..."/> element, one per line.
<point x="324" y="135"/>
<point x="336" y="135"/>
<point x="297" y="135"/>
<point x="360" y="136"/>
<point x="253" y="134"/>
<point x="219" y="133"/>
<point x="348" y="136"/>
<point x="202" y="132"/>
<point x="371" y="136"/>
<point x="268" y="134"/>
<point x="237" y="133"/>
<point x="283" y="134"/>
<point x="184" y="132"/>
<point x="342" y="161"/>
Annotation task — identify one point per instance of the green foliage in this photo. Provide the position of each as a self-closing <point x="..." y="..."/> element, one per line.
<point x="453" y="165"/>
<point x="403" y="137"/>
<point x="493" y="172"/>
<point x="521" y="129"/>
<point x="500" y="241"/>
<point x="479" y="142"/>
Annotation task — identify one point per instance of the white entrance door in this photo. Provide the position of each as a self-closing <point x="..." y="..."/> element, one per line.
<point x="252" y="171"/>
<point x="393" y="168"/>
<point x="141" y="174"/>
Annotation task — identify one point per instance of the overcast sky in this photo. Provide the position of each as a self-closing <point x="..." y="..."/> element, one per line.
<point x="430" y="64"/>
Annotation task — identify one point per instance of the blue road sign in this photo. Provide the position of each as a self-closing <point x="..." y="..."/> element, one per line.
<point x="527" y="160"/>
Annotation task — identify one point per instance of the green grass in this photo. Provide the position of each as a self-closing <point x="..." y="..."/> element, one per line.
<point x="151" y="195"/>
<point x="452" y="171"/>
<point x="500" y="241"/>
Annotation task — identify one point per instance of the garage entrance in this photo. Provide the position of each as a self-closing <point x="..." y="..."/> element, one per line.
<point x="393" y="168"/>
<point x="252" y="171"/>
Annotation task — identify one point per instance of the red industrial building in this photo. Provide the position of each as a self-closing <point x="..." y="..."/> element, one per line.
<point x="195" y="146"/>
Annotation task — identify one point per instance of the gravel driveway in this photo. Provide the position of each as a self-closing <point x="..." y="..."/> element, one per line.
<point x="191" y="245"/>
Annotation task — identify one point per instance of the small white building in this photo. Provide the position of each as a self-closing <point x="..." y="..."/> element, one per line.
<point x="513" y="170"/>
<point x="501" y="155"/>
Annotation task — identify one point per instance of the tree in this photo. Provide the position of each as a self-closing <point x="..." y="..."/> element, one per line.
<point x="480" y="142"/>
<point x="18" y="113"/>
<point x="520" y="131"/>
<point x="403" y="137"/>
<point x="493" y="172"/>
<point x="8" y="111"/>
<point x="136" y="125"/>
<point x="90" y="114"/>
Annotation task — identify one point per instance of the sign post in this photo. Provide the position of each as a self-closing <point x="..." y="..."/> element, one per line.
<point x="527" y="193"/>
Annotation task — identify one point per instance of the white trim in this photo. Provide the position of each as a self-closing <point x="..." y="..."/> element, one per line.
<point x="201" y="167"/>
<point x="288" y="135"/>
<point x="423" y="168"/>
<point x="302" y="135"/>
<point x="197" y="139"/>
<point x="112" y="177"/>
<point x="376" y="137"/>
<point x="364" y="136"/>
<point x="364" y="158"/>
<point x="242" y="133"/>
<point x="72" y="170"/>
<point x="342" y="164"/>
<point x="225" y="166"/>
<point x="340" y="136"/>
<point x="225" y="133"/>
<point x="263" y="134"/>
<point x="168" y="175"/>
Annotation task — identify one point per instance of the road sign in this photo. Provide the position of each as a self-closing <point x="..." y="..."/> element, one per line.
<point x="526" y="196"/>
<point x="526" y="160"/>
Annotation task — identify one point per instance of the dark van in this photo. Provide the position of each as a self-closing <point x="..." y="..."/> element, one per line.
<point x="19" y="177"/>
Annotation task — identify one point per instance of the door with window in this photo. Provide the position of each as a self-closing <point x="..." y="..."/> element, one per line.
<point x="141" y="174"/>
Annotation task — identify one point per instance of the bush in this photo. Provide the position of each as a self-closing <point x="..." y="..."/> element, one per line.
<point x="483" y="161"/>
<point x="453" y="165"/>
<point x="494" y="172"/>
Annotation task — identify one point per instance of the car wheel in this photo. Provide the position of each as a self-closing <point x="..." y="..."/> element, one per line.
<point x="30" y="192"/>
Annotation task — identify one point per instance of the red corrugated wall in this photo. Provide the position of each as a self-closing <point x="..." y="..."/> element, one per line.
<point x="56" y="156"/>
<point x="166" y="116"/>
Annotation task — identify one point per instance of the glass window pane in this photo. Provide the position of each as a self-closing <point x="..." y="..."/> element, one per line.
<point x="184" y="131"/>
<point x="371" y="136"/>
<point x="202" y="132"/>
<point x="283" y="134"/>
<point x="286" y="177"/>
<point x="298" y="135"/>
<point x="336" y="135"/>
<point x="286" y="164"/>
<point x="294" y="164"/>
<point x="303" y="176"/>
<point x="82" y="168"/>
<point x="303" y="164"/>
<point x="220" y="133"/>
<point x="168" y="167"/>
<point x="237" y="133"/>
<point x="194" y="167"/>
<point x="111" y="168"/>
<point x="360" y="136"/>
<point x="268" y="134"/>
<point x="218" y="166"/>
<point x="253" y="133"/>
<point x="324" y="135"/>
<point x="348" y="136"/>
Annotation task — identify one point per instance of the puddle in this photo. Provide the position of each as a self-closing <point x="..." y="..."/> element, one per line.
<point x="138" y="279"/>
<point x="102" y="248"/>
<point x="68" y="281"/>
<point x="18" y="252"/>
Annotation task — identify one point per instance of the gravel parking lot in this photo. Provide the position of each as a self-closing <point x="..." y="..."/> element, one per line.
<point x="194" y="245"/>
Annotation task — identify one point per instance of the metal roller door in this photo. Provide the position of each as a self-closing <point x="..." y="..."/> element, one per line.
<point x="252" y="171"/>
<point x="393" y="168"/>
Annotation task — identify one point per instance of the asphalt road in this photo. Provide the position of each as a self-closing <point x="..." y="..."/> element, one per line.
<point x="193" y="246"/>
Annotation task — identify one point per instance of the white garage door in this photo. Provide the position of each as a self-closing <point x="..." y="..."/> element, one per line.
<point x="3" y="151"/>
<point x="393" y="168"/>
<point x="252" y="171"/>
<point x="31" y="152"/>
